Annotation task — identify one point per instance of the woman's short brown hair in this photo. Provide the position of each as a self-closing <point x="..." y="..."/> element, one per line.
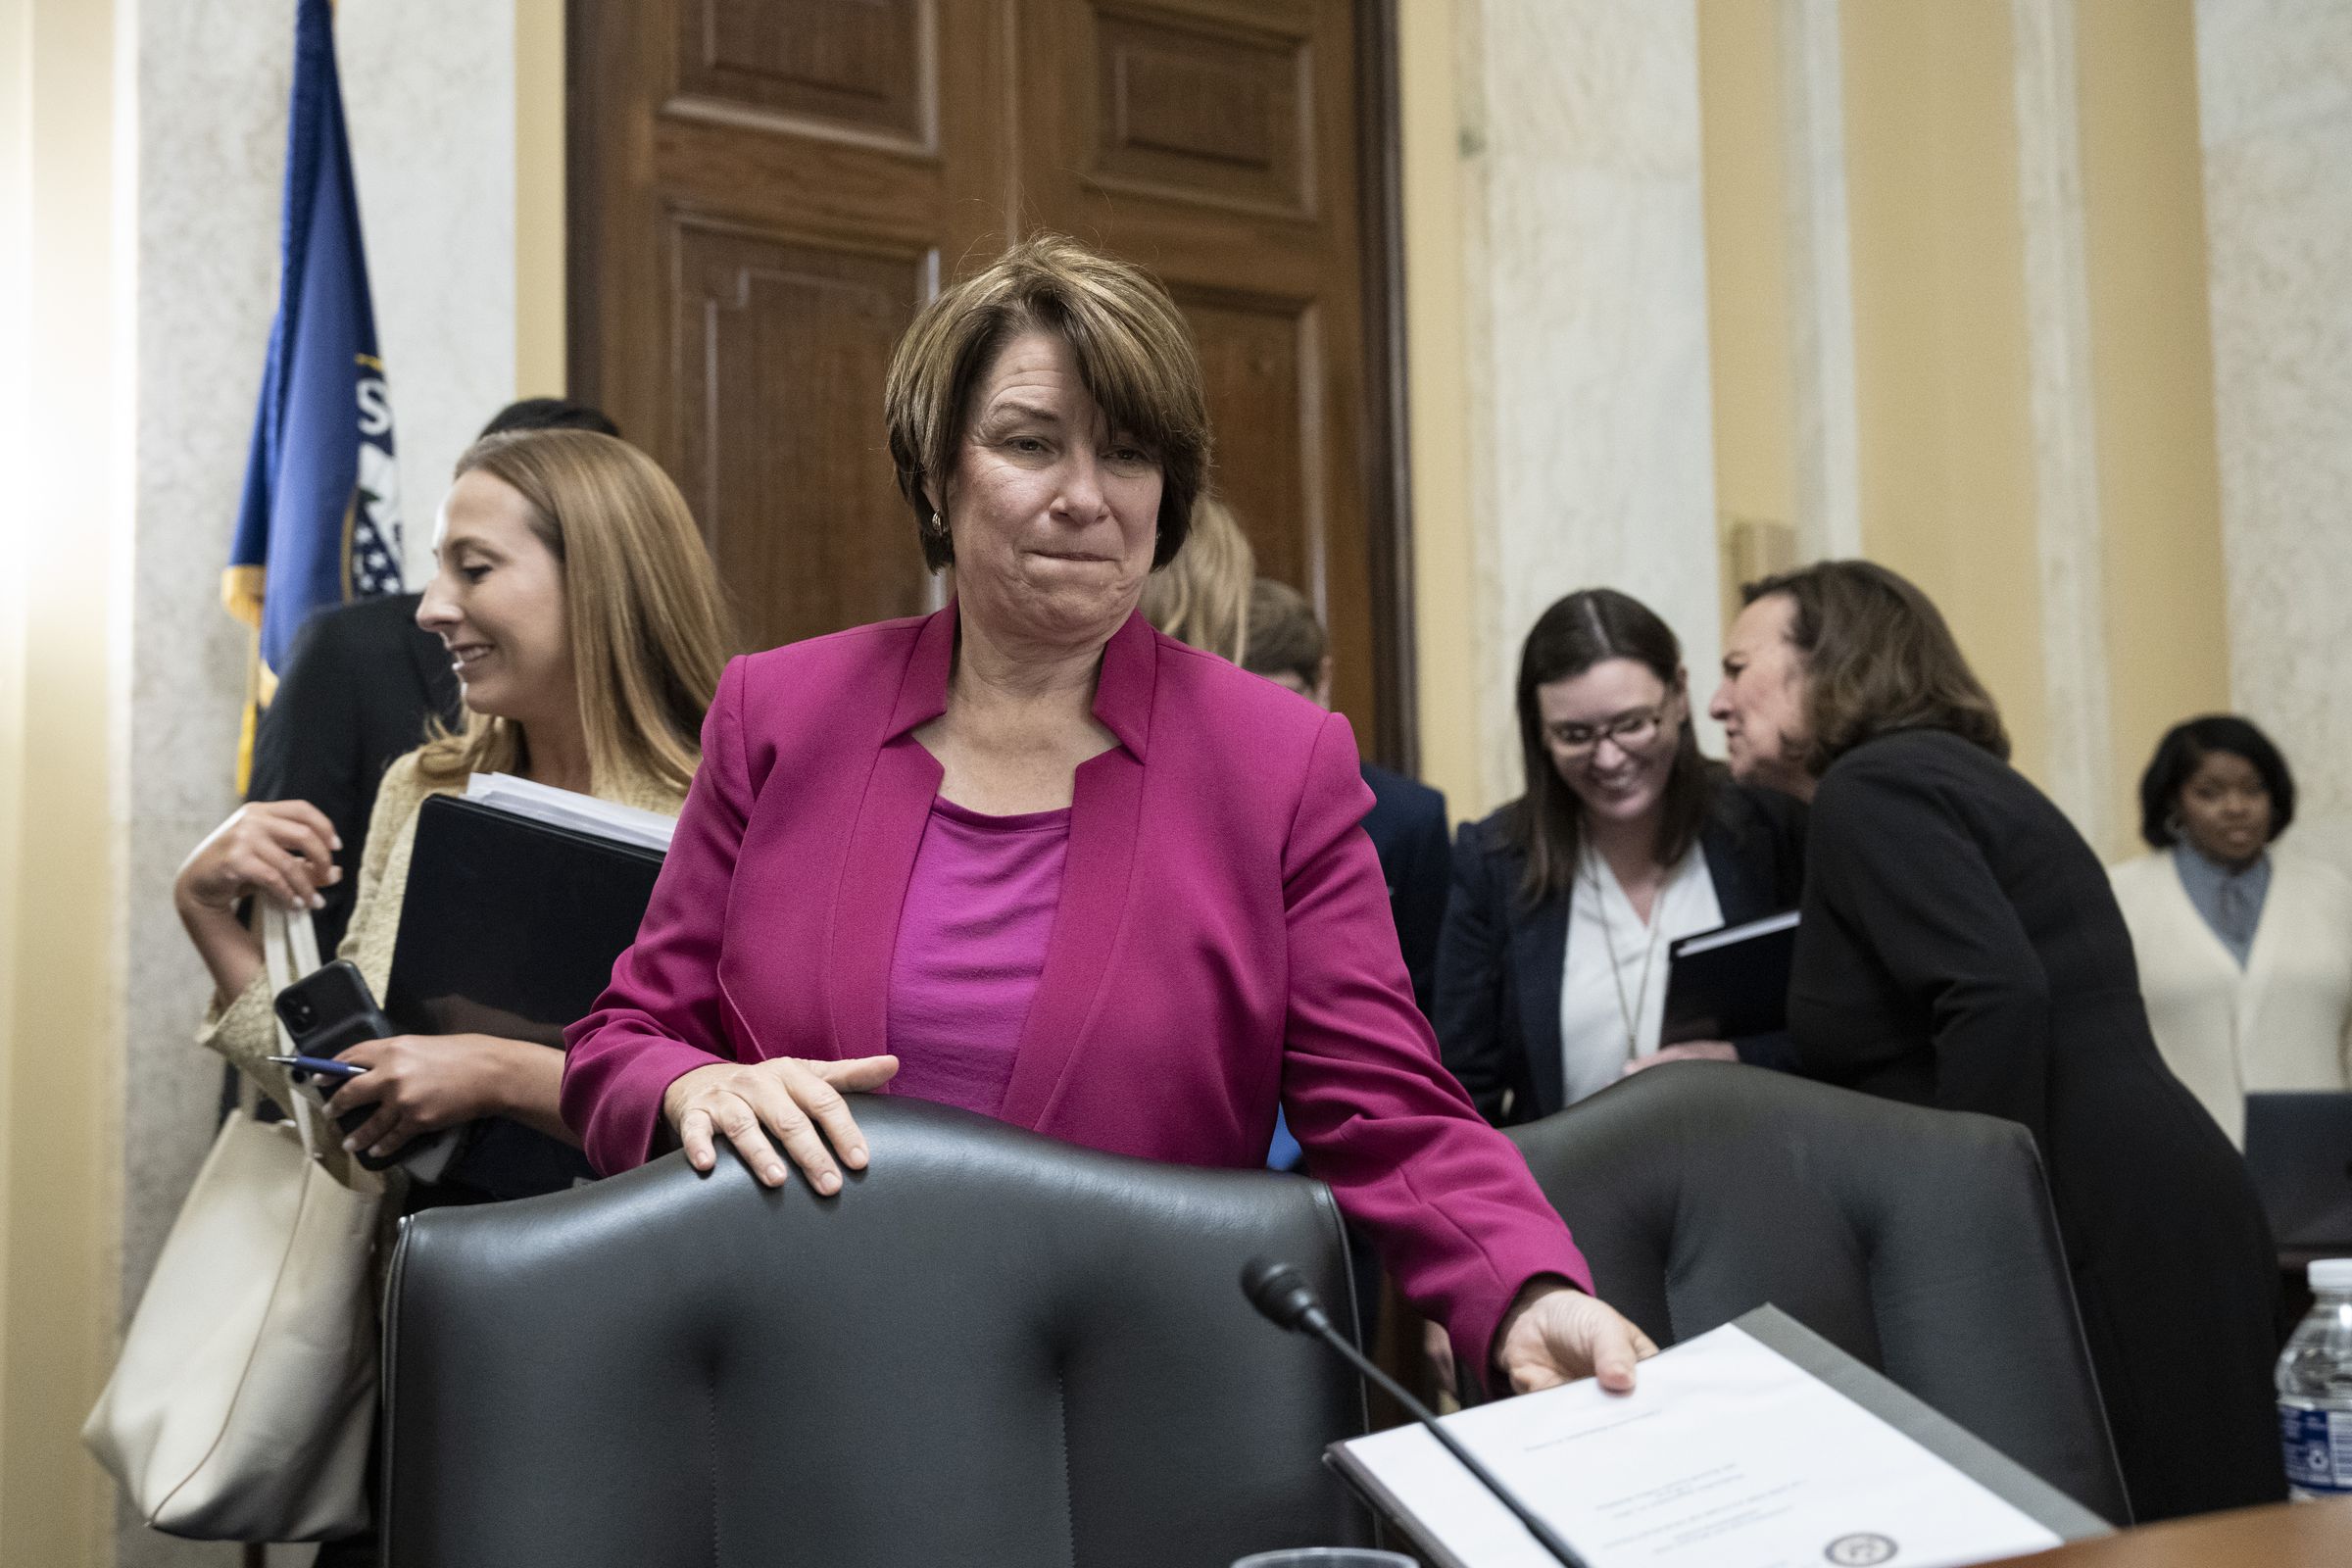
<point x="1879" y="658"/>
<point x="1135" y="357"/>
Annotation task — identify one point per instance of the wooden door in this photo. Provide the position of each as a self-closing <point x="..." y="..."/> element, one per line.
<point x="1214" y="142"/>
<point x="764" y="190"/>
<point x="761" y="196"/>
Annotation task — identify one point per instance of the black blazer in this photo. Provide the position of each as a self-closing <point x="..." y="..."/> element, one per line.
<point x="360" y="684"/>
<point x="1498" y="962"/>
<point x="1962" y="948"/>
<point x="1407" y="828"/>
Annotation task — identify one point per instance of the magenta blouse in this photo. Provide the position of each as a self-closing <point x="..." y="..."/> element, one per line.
<point x="971" y="945"/>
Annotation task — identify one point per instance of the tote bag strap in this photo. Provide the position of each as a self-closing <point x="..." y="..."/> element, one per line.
<point x="289" y="951"/>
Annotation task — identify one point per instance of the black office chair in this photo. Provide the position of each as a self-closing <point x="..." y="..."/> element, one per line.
<point x="1919" y="1241"/>
<point x="991" y="1348"/>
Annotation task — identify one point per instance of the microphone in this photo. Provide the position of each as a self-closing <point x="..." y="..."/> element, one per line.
<point x="1281" y="1293"/>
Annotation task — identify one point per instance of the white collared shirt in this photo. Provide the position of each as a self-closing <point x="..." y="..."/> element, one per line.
<point x="1596" y="995"/>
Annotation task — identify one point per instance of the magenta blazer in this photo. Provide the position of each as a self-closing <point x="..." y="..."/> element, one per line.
<point x="1223" y="944"/>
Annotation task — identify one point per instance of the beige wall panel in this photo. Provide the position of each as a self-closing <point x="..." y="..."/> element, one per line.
<point x="1430" y="137"/>
<point x="539" y="187"/>
<point x="1748" y="291"/>
<point x="59" y="1142"/>
<point x="1942" y="370"/>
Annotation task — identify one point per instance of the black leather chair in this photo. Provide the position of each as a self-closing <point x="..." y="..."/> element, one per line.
<point x="1920" y="1241"/>
<point x="991" y="1348"/>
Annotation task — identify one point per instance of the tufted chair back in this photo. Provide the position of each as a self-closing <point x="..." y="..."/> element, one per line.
<point x="1920" y="1241"/>
<point x="990" y="1349"/>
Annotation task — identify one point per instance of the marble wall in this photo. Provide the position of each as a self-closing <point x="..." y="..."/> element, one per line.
<point x="210" y="83"/>
<point x="1821" y="278"/>
<point x="2077" y="763"/>
<point x="1592" y="449"/>
<point x="428" y="88"/>
<point x="2275" y="81"/>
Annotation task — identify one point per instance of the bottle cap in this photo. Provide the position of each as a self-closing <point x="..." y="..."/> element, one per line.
<point x="2331" y="1274"/>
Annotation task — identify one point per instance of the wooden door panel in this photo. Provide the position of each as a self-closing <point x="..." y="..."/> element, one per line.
<point x="1206" y="114"/>
<point x="765" y="175"/>
<point x="1198" y="137"/>
<point x="867" y="68"/>
<point x="761" y="193"/>
<point x="781" y="347"/>
<point x="1261" y="364"/>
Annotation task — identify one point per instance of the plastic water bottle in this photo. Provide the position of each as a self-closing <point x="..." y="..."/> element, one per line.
<point x="2315" y="1389"/>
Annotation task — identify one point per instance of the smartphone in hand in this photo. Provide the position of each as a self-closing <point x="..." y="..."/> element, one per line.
<point x="326" y="1013"/>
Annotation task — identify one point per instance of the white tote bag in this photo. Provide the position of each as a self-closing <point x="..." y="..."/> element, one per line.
<point x="242" y="1404"/>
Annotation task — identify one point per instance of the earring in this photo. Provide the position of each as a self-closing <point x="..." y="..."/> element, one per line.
<point x="939" y="525"/>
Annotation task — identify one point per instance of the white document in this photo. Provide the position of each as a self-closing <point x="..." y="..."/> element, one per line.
<point x="582" y="814"/>
<point x="1727" y="1454"/>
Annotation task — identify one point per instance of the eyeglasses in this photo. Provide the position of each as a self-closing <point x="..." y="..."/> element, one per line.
<point x="1635" y="733"/>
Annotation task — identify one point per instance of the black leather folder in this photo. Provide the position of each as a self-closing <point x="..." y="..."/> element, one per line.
<point x="1731" y="983"/>
<point x="509" y="927"/>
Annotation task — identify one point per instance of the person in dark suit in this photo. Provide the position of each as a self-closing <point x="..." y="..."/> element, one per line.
<point x="1550" y="974"/>
<point x="1407" y="824"/>
<point x="362" y="684"/>
<point x="1961" y="948"/>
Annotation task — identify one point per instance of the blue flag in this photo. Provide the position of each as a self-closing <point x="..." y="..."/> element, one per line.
<point x="320" y="523"/>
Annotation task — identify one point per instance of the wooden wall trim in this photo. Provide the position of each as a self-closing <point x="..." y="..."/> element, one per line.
<point x="1388" y="444"/>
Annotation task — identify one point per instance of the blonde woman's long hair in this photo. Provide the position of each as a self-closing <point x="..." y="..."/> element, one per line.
<point x="649" y="630"/>
<point x="1203" y="596"/>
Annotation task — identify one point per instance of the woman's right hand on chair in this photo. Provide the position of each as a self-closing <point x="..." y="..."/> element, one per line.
<point x="790" y="1097"/>
<point x="281" y="849"/>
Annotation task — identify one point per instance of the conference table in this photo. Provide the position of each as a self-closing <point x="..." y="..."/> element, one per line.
<point x="2286" y="1535"/>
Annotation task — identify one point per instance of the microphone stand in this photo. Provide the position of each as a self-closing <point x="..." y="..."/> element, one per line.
<point x="1309" y="1317"/>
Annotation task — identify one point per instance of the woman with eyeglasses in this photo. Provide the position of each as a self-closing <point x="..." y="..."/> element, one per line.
<point x="1551" y="965"/>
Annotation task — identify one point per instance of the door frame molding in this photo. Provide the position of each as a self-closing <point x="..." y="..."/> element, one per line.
<point x="1387" y="443"/>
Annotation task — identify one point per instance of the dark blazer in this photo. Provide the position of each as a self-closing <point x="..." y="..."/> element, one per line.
<point x="1498" y="962"/>
<point x="1962" y="948"/>
<point x="1407" y="828"/>
<point x="360" y="684"/>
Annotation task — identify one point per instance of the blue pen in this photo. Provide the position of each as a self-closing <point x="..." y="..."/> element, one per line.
<point x="320" y="1065"/>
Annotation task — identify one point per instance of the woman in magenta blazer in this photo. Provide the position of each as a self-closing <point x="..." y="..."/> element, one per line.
<point x="1030" y="857"/>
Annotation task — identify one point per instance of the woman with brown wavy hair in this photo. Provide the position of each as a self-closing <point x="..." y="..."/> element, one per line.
<point x="1961" y="948"/>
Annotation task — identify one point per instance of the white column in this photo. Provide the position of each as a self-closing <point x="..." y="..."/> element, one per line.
<point x="1821" y="281"/>
<point x="2274" y="91"/>
<point x="2074" y="630"/>
<point x="1592" y="446"/>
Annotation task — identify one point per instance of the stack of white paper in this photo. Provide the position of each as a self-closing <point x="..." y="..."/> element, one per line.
<point x="582" y="814"/>
<point x="1725" y="1454"/>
